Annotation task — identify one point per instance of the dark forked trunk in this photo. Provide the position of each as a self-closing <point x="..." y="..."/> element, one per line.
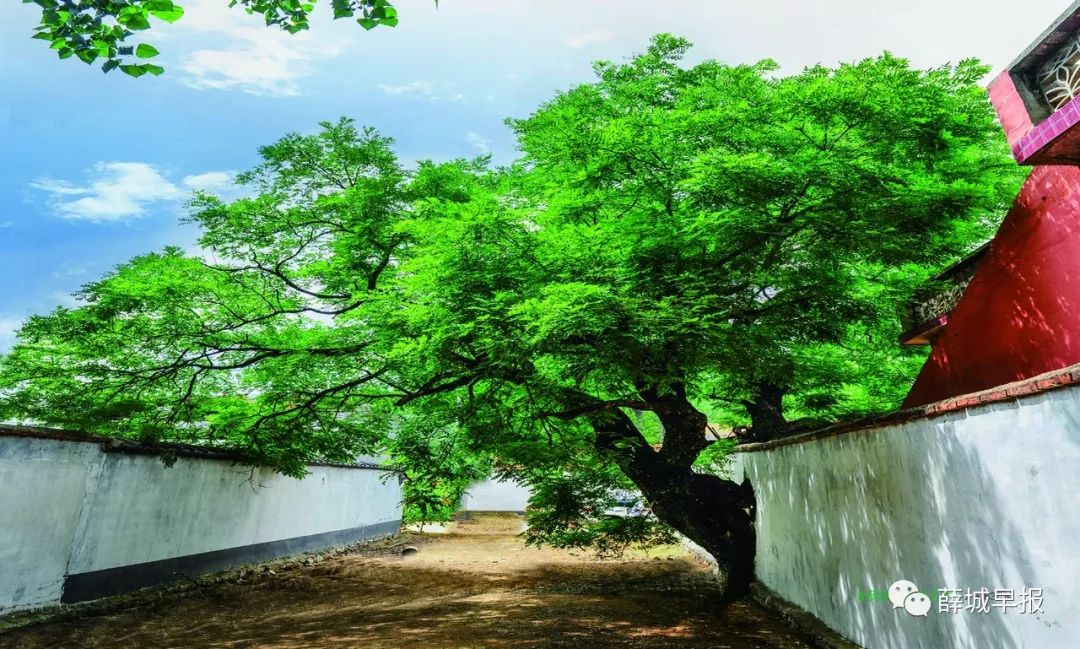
<point x="766" y="410"/>
<point x="716" y="514"/>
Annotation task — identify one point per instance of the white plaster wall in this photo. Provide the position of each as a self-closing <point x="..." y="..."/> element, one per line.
<point x="68" y="508"/>
<point x="989" y="497"/>
<point x="42" y="484"/>
<point x="495" y="496"/>
<point x="213" y="505"/>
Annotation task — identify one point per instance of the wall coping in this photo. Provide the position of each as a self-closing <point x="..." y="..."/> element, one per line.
<point x="119" y="445"/>
<point x="1065" y="377"/>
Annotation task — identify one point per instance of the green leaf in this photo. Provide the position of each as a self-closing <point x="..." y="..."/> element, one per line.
<point x="144" y="51"/>
<point x="86" y="55"/>
<point x="133" y="18"/>
<point x="155" y="70"/>
<point x="342" y="9"/>
<point x="164" y="10"/>
<point x="110" y="65"/>
<point x="171" y="15"/>
<point x="368" y="23"/>
<point x="133" y="70"/>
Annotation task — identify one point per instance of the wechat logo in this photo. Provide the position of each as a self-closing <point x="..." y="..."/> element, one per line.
<point x="905" y="594"/>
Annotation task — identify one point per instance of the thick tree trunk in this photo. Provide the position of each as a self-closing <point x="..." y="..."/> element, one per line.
<point x="716" y="514"/>
<point x="767" y="412"/>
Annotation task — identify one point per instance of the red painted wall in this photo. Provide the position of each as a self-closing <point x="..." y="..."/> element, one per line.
<point x="1010" y="108"/>
<point x="1020" y="316"/>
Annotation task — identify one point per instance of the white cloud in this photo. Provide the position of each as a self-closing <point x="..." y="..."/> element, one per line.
<point x="58" y="187"/>
<point x="479" y="142"/>
<point x="581" y="39"/>
<point x="211" y="181"/>
<point x="258" y="60"/>
<point x="206" y="254"/>
<point x="68" y="270"/>
<point x="8" y="326"/>
<point x="416" y="88"/>
<point x="121" y="191"/>
<point x="419" y="89"/>
<point x="66" y="300"/>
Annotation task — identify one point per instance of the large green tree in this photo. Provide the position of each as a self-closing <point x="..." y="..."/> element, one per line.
<point x="676" y="245"/>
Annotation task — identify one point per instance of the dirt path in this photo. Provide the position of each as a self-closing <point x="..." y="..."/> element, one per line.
<point x="477" y="587"/>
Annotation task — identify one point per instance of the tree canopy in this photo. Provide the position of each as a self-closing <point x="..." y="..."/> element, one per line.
<point x="676" y="246"/>
<point x="102" y="30"/>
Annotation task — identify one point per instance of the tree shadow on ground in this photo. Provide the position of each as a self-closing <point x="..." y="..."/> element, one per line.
<point x="353" y="602"/>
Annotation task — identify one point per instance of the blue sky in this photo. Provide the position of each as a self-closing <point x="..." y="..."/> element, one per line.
<point x="95" y="169"/>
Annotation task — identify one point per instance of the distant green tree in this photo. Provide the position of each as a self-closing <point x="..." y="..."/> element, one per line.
<point x="101" y="30"/>
<point x="437" y="462"/>
<point x="676" y="244"/>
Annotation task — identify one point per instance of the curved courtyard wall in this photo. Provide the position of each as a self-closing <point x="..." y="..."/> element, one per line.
<point x="83" y="518"/>
<point x="982" y="491"/>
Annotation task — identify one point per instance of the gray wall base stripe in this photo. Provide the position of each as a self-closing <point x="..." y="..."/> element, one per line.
<point x="86" y="586"/>
<point x="820" y="635"/>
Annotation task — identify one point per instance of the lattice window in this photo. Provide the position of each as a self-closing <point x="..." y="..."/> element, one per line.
<point x="940" y="303"/>
<point x="1059" y="77"/>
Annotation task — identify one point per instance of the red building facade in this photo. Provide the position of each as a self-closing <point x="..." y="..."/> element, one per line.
<point x="1020" y="314"/>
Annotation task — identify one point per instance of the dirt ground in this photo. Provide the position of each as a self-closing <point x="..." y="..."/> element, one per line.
<point x="477" y="587"/>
